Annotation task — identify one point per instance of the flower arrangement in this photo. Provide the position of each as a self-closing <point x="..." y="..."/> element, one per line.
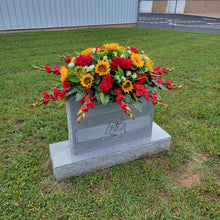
<point x="110" y="73"/>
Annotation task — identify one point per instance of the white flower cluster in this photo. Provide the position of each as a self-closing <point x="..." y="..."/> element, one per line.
<point x="89" y="68"/>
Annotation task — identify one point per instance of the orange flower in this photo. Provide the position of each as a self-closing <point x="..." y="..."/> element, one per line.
<point x="112" y="46"/>
<point x="87" y="51"/>
<point x="137" y="60"/>
<point x="63" y="73"/>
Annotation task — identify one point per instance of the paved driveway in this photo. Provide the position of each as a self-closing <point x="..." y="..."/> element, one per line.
<point x="179" y="22"/>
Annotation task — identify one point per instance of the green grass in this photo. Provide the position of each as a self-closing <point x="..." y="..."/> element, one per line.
<point x="183" y="183"/>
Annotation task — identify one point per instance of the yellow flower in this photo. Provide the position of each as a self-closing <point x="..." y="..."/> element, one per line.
<point x="63" y="73"/>
<point x="137" y="60"/>
<point x="127" y="86"/>
<point x="87" y="51"/>
<point x="102" y="68"/>
<point x="79" y="70"/>
<point x="150" y="65"/>
<point x="112" y="46"/>
<point x="87" y="80"/>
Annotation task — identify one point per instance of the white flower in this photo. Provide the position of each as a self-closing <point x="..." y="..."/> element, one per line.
<point x="146" y="58"/>
<point x="122" y="56"/>
<point x="146" y="69"/>
<point x="71" y="64"/>
<point x="105" y="58"/>
<point x="89" y="68"/>
<point x="115" y="53"/>
<point x="93" y="50"/>
<point x="128" y="51"/>
<point x="128" y="73"/>
<point x="123" y="78"/>
<point x="134" y="76"/>
<point x="118" y="78"/>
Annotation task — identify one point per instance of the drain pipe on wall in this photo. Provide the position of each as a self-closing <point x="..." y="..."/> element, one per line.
<point x="174" y="16"/>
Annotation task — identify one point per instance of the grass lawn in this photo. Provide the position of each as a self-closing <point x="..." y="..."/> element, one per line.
<point x="183" y="183"/>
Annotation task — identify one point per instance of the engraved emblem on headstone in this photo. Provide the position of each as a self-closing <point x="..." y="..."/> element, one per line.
<point x="115" y="129"/>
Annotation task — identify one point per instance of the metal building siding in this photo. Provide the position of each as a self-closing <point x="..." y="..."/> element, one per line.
<point x="27" y="14"/>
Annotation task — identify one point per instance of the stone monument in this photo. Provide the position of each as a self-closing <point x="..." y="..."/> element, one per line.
<point x="107" y="137"/>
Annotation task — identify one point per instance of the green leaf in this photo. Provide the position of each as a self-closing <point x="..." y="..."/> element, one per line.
<point x="106" y="99"/>
<point x="97" y="80"/>
<point x="138" y="106"/>
<point x="120" y="71"/>
<point x="128" y="98"/>
<point x="102" y="97"/>
<point x="72" y="91"/>
<point x="97" y="97"/>
<point x="136" y="98"/>
<point x="159" y="85"/>
<point x="80" y="95"/>
<point x="74" y="79"/>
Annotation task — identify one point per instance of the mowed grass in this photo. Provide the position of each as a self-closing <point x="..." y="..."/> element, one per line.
<point x="183" y="183"/>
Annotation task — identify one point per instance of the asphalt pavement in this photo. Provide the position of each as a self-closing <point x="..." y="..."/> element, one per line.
<point x="180" y="22"/>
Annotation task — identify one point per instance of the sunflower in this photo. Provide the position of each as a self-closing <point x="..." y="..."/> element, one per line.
<point x="137" y="60"/>
<point x="102" y="68"/>
<point x="127" y="86"/>
<point x="87" y="80"/>
<point x="150" y="65"/>
<point x="102" y="52"/>
<point x="63" y="73"/>
<point x="87" y="51"/>
<point x="79" y="70"/>
<point x="112" y="46"/>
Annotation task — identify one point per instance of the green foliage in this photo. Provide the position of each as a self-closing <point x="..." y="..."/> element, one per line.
<point x="150" y="188"/>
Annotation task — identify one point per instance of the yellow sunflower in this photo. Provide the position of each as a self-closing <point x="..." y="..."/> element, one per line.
<point x="112" y="46"/>
<point x="150" y="65"/>
<point x="87" y="51"/>
<point x="87" y="80"/>
<point x="79" y="70"/>
<point x="137" y="60"/>
<point x="63" y="73"/>
<point x="102" y="68"/>
<point x="127" y="86"/>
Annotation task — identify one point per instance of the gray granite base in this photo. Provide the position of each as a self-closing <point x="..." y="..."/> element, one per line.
<point x="66" y="165"/>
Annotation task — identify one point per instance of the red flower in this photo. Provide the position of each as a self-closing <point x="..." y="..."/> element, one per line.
<point x="56" y="70"/>
<point x="45" y="102"/>
<point x="62" y="94"/>
<point x="106" y="83"/>
<point x="46" y="95"/>
<point x="126" y="64"/>
<point x="143" y="76"/>
<point x="54" y="98"/>
<point x="169" y="87"/>
<point x="140" y="90"/>
<point x="47" y="67"/>
<point x="117" y="61"/>
<point x="56" y="92"/>
<point x="88" y="91"/>
<point x="32" y="106"/>
<point x="118" y="91"/>
<point x="154" y="102"/>
<point x="67" y="59"/>
<point x="154" y="96"/>
<point x="82" y="60"/>
<point x="134" y="50"/>
<point x="66" y="86"/>
<point x="168" y="82"/>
